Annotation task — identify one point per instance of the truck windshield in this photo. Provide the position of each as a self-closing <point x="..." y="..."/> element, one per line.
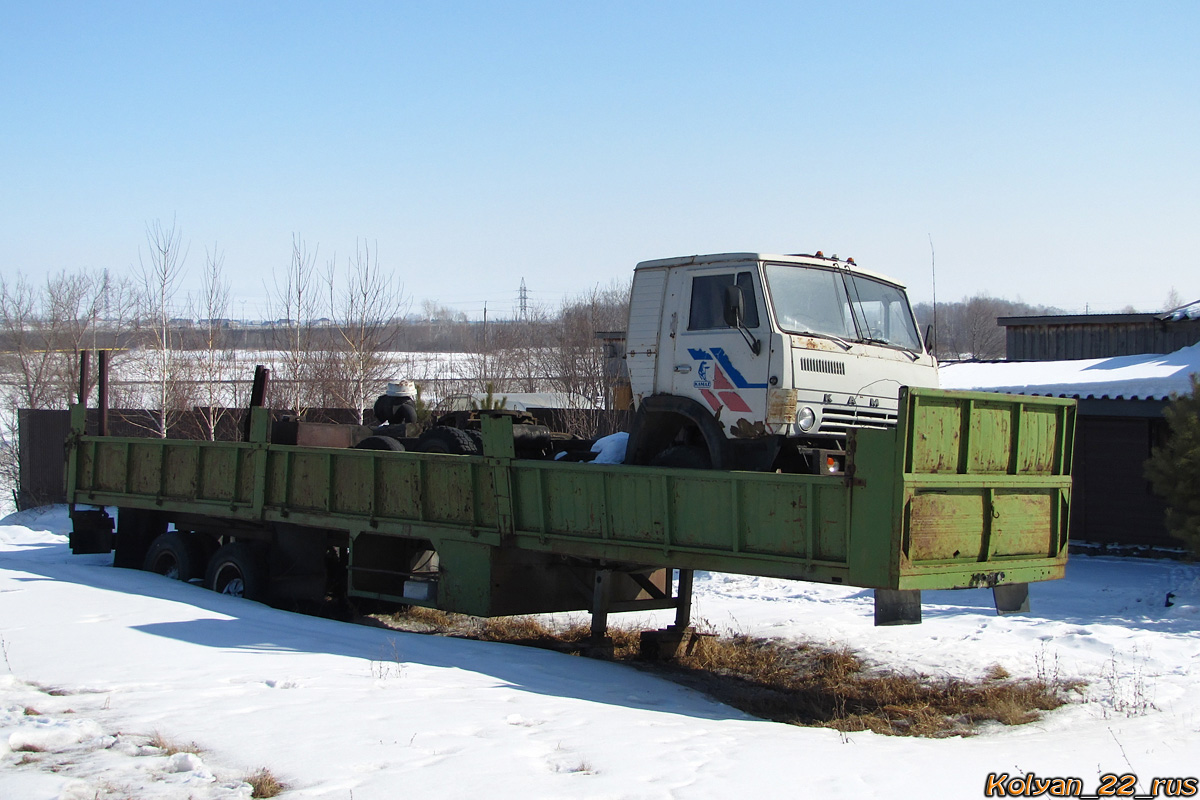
<point x="853" y="307"/>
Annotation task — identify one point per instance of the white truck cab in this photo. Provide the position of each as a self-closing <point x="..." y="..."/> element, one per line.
<point x="755" y="361"/>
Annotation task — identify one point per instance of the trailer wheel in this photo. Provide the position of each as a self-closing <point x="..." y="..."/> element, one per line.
<point x="444" y="439"/>
<point x="236" y="569"/>
<point x="685" y="456"/>
<point x="380" y="443"/>
<point x="175" y="556"/>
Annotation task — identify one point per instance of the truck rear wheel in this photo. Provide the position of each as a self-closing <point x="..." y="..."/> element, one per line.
<point x="175" y="556"/>
<point x="236" y="569"/>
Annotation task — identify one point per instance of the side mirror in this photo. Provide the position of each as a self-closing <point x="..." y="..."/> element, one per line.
<point x="735" y="306"/>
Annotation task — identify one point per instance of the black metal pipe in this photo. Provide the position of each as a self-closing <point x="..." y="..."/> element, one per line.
<point x="258" y="396"/>
<point x="85" y="373"/>
<point x="102" y="391"/>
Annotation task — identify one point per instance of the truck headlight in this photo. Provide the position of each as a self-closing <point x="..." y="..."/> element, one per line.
<point x="805" y="418"/>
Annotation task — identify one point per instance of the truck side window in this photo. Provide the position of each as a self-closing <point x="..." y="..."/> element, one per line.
<point x="708" y="300"/>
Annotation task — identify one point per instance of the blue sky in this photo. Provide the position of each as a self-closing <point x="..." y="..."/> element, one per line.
<point x="1050" y="149"/>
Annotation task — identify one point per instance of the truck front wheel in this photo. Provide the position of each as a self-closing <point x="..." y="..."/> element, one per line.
<point x="685" y="456"/>
<point x="236" y="569"/>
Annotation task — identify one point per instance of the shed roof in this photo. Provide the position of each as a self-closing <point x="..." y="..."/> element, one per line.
<point x="1140" y="377"/>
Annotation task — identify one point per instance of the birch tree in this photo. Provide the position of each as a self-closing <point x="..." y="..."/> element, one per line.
<point x="366" y="309"/>
<point x="160" y="272"/>
<point x="217" y="361"/>
<point x="294" y="304"/>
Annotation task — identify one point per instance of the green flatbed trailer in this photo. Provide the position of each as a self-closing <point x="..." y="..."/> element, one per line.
<point x="969" y="489"/>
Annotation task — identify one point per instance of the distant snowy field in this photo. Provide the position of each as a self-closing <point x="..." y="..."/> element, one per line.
<point x="108" y="658"/>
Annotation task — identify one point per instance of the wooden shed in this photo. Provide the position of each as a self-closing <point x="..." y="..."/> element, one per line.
<point x="1073" y="336"/>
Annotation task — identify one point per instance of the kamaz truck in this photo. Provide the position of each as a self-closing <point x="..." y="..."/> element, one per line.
<point x="752" y="361"/>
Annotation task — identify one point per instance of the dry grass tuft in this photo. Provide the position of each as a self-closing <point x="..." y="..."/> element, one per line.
<point x="805" y="684"/>
<point x="264" y="784"/>
<point x="996" y="673"/>
<point x="797" y="683"/>
<point x="170" y="747"/>
<point x="623" y="642"/>
<point x="524" y="630"/>
<point x="30" y="711"/>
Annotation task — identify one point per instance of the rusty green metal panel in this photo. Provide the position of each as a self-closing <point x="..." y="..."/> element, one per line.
<point x="1004" y="511"/>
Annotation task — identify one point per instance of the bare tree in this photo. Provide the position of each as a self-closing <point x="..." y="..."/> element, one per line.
<point x="524" y="350"/>
<point x="160" y="272"/>
<point x="294" y="304"/>
<point x="366" y="311"/>
<point x="217" y="360"/>
<point x="969" y="327"/>
<point x="44" y="327"/>
<point x="582" y="373"/>
<point x="27" y="340"/>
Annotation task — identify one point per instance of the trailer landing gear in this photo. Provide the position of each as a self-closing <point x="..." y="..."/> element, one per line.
<point x="657" y="645"/>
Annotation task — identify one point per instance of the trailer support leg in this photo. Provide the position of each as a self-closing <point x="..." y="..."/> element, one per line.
<point x="667" y="643"/>
<point x="601" y="600"/>
<point x="1011" y="598"/>
<point x="683" y="596"/>
<point x="897" y="606"/>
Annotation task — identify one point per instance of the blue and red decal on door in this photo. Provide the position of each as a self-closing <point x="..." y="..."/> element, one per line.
<point x="719" y="381"/>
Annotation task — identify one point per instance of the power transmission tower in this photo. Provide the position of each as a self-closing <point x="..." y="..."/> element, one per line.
<point x="523" y="297"/>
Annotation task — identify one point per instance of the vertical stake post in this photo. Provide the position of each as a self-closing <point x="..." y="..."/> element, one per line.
<point x="102" y="392"/>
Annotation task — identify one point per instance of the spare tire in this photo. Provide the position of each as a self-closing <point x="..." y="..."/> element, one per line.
<point x="380" y="443"/>
<point x="444" y="439"/>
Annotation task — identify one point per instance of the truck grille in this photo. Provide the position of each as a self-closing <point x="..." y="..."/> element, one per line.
<point x="836" y="420"/>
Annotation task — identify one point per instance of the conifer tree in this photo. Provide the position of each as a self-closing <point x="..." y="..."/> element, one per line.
<point x="1174" y="468"/>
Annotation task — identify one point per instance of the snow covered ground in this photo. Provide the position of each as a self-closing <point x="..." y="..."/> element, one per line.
<point x="97" y="661"/>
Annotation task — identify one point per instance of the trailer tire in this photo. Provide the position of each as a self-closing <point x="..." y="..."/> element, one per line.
<point x="444" y="439"/>
<point x="175" y="556"/>
<point x="685" y="456"/>
<point x="237" y="569"/>
<point x="380" y="443"/>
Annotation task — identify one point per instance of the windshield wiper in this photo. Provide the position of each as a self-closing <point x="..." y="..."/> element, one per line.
<point x="913" y="354"/>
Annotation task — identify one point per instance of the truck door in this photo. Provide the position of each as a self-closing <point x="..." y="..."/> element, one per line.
<point x="714" y="364"/>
